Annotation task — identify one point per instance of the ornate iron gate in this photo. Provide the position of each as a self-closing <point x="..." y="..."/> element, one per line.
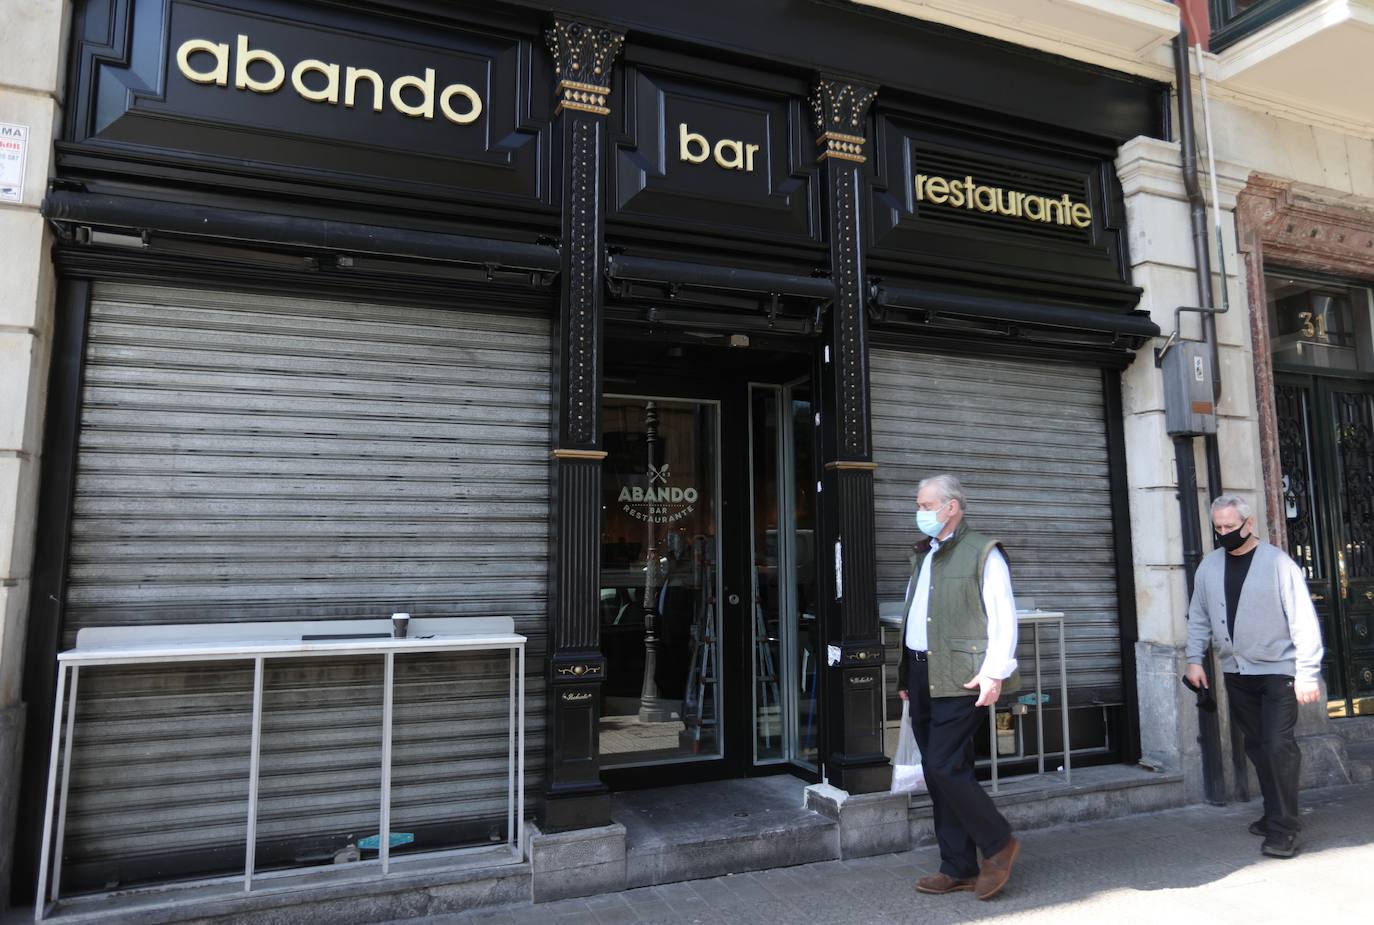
<point x="1326" y="451"/>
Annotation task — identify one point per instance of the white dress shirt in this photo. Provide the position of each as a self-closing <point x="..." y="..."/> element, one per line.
<point x="998" y="602"/>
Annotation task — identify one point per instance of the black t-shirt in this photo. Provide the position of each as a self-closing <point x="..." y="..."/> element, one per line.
<point x="1237" y="567"/>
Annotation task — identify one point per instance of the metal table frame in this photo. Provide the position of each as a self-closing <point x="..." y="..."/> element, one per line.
<point x="1034" y="619"/>
<point x="142" y="645"/>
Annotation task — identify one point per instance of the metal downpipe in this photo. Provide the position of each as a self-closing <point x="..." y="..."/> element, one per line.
<point x="1209" y="724"/>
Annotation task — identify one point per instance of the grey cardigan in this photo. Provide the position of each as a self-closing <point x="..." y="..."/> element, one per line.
<point x="1277" y="630"/>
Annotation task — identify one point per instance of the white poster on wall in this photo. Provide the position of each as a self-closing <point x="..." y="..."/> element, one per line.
<point x="14" y="147"/>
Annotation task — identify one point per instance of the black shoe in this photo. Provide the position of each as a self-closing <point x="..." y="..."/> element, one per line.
<point x="1259" y="827"/>
<point x="1280" y="846"/>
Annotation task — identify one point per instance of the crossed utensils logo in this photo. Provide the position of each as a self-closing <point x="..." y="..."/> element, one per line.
<point x="658" y="502"/>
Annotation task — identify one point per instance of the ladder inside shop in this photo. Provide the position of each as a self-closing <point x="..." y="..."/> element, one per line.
<point x="765" y="675"/>
<point x="699" y="698"/>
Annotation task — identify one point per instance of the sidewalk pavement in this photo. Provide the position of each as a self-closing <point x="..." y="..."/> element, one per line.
<point x="1196" y="864"/>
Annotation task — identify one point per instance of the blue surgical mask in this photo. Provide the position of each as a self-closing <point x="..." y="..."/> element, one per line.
<point x="929" y="523"/>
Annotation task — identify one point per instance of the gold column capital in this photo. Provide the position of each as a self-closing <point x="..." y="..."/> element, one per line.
<point x="840" y="108"/>
<point x="582" y="57"/>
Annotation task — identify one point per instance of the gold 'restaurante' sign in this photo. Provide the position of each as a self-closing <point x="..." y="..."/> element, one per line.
<point x="967" y="194"/>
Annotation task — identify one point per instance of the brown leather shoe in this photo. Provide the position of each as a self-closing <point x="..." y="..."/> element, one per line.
<point x="996" y="870"/>
<point x="942" y="883"/>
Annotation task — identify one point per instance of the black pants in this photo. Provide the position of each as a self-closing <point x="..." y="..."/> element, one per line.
<point x="1265" y="709"/>
<point x="966" y="819"/>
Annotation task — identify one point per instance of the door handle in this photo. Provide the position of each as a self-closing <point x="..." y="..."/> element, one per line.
<point x="1344" y="578"/>
<point x="1369" y="595"/>
<point x="1318" y="598"/>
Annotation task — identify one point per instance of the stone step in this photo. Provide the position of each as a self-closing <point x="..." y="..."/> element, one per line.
<point x="1354" y="728"/>
<point x="707" y="830"/>
<point x="1359" y="757"/>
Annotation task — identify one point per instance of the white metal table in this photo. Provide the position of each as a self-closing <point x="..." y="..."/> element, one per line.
<point x="258" y="642"/>
<point x="890" y="616"/>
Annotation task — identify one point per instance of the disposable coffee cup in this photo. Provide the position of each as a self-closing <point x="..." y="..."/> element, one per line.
<point x="400" y="624"/>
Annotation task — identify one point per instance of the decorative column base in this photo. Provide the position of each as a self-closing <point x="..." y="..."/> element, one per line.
<point x="859" y="764"/>
<point x="575" y="811"/>
<point x="574" y="796"/>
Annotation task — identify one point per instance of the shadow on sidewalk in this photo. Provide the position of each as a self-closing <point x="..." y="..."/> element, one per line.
<point x="1199" y="863"/>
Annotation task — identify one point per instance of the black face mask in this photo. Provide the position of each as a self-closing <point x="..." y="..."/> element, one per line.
<point x="1229" y="541"/>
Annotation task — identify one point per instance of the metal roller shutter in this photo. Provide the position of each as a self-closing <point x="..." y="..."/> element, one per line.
<point x="1029" y="442"/>
<point x="249" y="457"/>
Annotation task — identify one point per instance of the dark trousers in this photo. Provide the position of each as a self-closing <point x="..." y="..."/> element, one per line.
<point x="966" y="819"/>
<point x="1265" y="709"/>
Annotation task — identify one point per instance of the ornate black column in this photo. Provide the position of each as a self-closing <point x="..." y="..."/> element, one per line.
<point x="853" y="691"/>
<point x="574" y="796"/>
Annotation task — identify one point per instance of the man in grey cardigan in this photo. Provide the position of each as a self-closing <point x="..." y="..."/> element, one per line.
<point x="1251" y="601"/>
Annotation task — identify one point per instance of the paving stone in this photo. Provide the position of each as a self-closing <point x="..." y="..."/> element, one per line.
<point x="618" y="915"/>
<point x="577" y="918"/>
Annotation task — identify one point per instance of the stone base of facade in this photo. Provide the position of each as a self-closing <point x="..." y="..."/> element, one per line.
<point x="11" y="751"/>
<point x="311" y="900"/>
<point x="869" y="823"/>
<point x="1168" y="715"/>
<point x="1095" y="793"/>
<point x="583" y="862"/>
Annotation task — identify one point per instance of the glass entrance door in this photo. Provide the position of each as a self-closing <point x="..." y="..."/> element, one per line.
<point x="707" y="582"/>
<point x="660" y="581"/>
<point x="784" y="639"/>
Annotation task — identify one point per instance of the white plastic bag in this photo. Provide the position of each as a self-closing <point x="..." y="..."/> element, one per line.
<point x="907" y="776"/>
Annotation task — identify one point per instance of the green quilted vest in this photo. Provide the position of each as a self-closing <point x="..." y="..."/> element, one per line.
<point x="957" y="627"/>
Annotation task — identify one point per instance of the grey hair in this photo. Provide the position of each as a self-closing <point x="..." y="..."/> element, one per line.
<point x="1235" y="501"/>
<point x="948" y="486"/>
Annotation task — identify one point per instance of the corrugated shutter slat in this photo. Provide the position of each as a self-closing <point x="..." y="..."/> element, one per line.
<point x="1029" y="442"/>
<point x="247" y="457"/>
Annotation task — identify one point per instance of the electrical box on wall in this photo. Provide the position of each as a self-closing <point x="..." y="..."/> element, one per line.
<point x="1189" y="409"/>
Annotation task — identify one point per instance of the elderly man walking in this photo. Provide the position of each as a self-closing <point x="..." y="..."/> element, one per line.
<point x="959" y="634"/>
<point x="1251" y="601"/>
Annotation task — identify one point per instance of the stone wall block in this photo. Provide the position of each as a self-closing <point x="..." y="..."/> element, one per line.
<point x="29" y="278"/>
<point x="1238" y="439"/>
<point x="1238" y="384"/>
<point x="17" y="372"/>
<point x="35" y="44"/>
<point x="1149" y="451"/>
<point x="1142" y="384"/>
<point x="1161" y="603"/>
<point x="1360" y="152"/>
<point x="1155" y="525"/>
<point x="1158" y="231"/>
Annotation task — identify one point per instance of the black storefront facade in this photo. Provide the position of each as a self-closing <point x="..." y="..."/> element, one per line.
<point x="636" y="324"/>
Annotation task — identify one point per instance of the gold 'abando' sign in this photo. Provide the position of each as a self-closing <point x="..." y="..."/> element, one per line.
<point x="204" y="61"/>
<point x="967" y="194"/>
